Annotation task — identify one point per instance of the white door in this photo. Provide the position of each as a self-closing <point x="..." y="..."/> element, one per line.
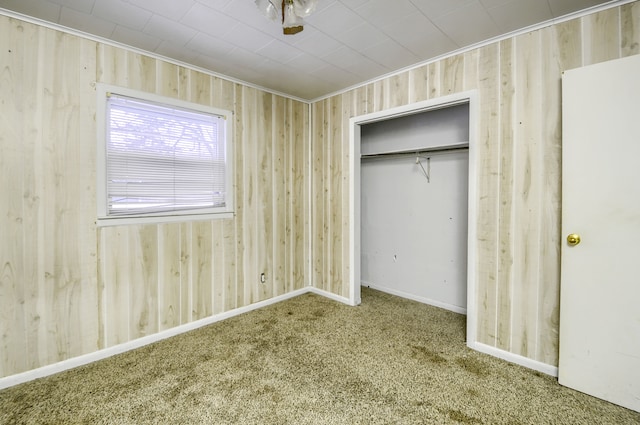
<point x="600" y="278"/>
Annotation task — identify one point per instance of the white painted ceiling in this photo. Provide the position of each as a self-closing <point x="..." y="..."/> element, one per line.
<point x="344" y="42"/>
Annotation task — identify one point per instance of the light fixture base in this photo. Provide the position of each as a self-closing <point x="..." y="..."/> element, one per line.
<point x="292" y="30"/>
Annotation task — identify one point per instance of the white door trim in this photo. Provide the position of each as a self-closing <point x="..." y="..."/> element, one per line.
<point x="470" y="97"/>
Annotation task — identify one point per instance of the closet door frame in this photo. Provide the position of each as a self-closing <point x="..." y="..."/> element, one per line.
<point x="355" y="123"/>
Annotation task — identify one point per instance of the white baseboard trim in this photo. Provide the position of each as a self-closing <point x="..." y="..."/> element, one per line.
<point x="330" y="295"/>
<point x="84" y="359"/>
<point x="515" y="358"/>
<point x="423" y="300"/>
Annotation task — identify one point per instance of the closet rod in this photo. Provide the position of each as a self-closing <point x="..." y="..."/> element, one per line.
<point x="414" y="152"/>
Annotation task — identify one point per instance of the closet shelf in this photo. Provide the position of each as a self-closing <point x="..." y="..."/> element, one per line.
<point x="419" y="151"/>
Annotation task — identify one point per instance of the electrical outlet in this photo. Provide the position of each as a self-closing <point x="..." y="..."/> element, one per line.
<point x="263" y="278"/>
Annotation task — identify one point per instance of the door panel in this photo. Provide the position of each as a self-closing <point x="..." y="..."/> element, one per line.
<point x="600" y="283"/>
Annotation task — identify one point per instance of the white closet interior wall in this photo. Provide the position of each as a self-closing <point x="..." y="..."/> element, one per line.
<point x="414" y="207"/>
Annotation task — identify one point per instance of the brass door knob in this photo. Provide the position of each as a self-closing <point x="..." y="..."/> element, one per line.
<point x="573" y="239"/>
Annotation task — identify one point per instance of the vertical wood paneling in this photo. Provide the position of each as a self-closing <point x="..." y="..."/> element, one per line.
<point x="138" y="297"/>
<point x="602" y="36"/>
<point x="470" y="73"/>
<point x="567" y="49"/>
<point x="451" y="75"/>
<point x="197" y="263"/>
<point x="189" y="91"/>
<point x="518" y="177"/>
<point x="377" y="97"/>
<point x="141" y="72"/>
<point x="317" y="192"/>
<point x="279" y="209"/>
<point x="202" y="269"/>
<point x="327" y="229"/>
<point x="67" y="288"/>
<point x="69" y="265"/>
<point x="527" y="193"/>
<point x="13" y="329"/>
<point x="289" y="163"/>
<point x="143" y="272"/>
<point x="302" y="174"/>
<point x="265" y="198"/>
<point x="505" y="208"/>
<point x="254" y="151"/>
<point x="50" y="200"/>
<point x="30" y="111"/>
<point x="350" y="103"/>
<point x="169" y="275"/>
<point x="566" y="52"/>
<point x="419" y="88"/>
<point x="224" y="293"/>
<point x="360" y="103"/>
<point x="114" y="290"/>
<point x="101" y="307"/>
<point x="86" y="183"/>
<point x="630" y="29"/>
<point x="169" y="83"/>
<point x="335" y="195"/>
<point x="250" y="214"/>
<point x="217" y="260"/>
<point x="186" y="272"/>
<point x="113" y="66"/>
<point x="488" y="202"/>
<point x="227" y="290"/>
<point x="201" y="91"/>
<point x="369" y="98"/>
<point x="303" y="115"/>
<point x="433" y="80"/>
<point x="236" y="296"/>
<point x="396" y="90"/>
<point x="114" y="278"/>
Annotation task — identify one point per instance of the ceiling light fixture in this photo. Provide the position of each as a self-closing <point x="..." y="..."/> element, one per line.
<point x="289" y="12"/>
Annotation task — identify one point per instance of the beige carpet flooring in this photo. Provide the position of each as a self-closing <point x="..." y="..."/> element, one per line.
<point x="310" y="360"/>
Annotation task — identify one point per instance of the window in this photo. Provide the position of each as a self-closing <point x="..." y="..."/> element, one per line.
<point x="161" y="159"/>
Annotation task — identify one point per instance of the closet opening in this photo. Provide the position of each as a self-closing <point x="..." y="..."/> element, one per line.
<point x="412" y="194"/>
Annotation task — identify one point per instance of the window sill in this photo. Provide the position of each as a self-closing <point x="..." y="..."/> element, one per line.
<point x="126" y="221"/>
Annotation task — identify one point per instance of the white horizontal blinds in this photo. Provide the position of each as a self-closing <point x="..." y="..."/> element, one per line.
<point x="162" y="159"/>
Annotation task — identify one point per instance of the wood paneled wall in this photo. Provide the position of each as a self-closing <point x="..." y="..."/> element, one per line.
<point x="518" y="180"/>
<point x="68" y="287"/>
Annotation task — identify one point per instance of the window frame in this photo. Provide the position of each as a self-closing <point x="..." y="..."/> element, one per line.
<point x="103" y="218"/>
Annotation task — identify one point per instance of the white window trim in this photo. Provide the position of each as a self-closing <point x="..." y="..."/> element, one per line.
<point x="103" y="91"/>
